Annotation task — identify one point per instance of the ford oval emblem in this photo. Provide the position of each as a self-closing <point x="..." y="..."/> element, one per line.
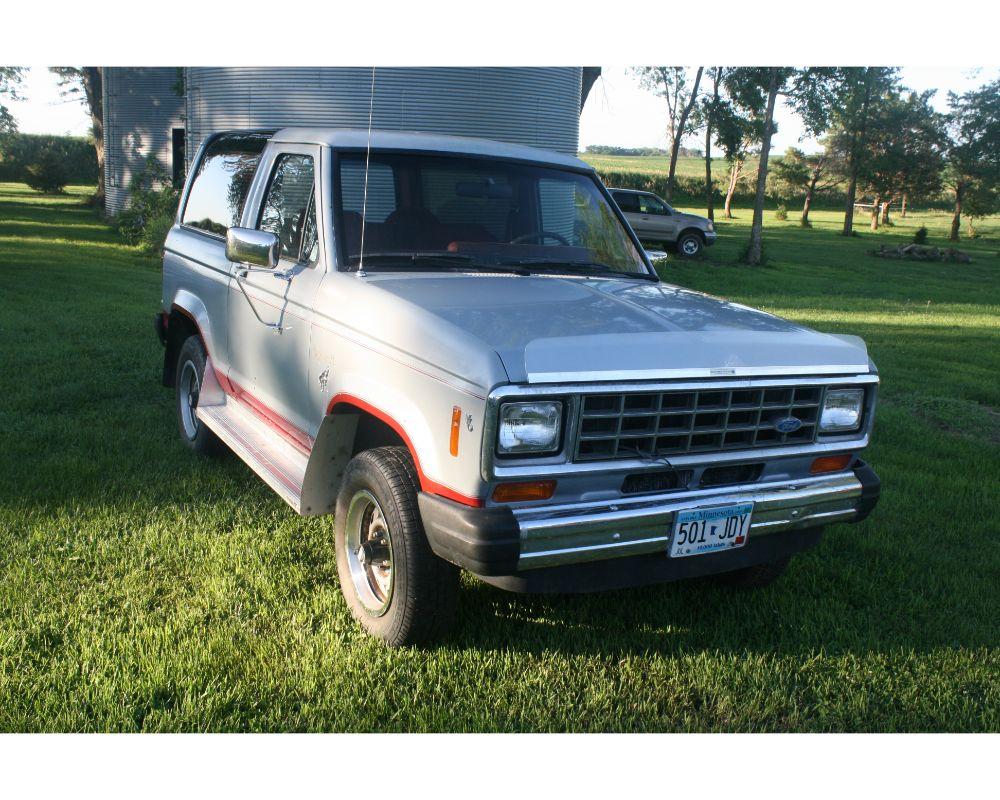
<point x="787" y="424"/>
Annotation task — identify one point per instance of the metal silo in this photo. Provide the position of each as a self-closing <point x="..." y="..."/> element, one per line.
<point x="143" y="116"/>
<point x="537" y="106"/>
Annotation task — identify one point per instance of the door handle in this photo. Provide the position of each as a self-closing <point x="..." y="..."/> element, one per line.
<point x="281" y="275"/>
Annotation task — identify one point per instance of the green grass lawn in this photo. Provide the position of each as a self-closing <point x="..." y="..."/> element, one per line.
<point x="143" y="589"/>
<point x="687" y="166"/>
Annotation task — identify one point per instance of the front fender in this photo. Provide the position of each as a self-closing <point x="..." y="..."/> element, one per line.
<point x="191" y="306"/>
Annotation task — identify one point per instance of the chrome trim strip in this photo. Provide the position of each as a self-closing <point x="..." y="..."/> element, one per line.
<point x="821" y="517"/>
<point x="644" y="502"/>
<point x="622" y="465"/>
<point x="568" y="534"/>
<point x="707" y="372"/>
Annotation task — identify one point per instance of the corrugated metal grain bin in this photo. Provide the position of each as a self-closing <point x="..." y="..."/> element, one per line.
<point x="143" y="115"/>
<point x="537" y="106"/>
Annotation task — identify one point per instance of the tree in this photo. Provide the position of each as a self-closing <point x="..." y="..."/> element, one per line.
<point x="10" y="82"/>
<point x="756" y="89"/>
<point x="973" y="152"/>
<point x="48" y="174"/>
<point x="87" y="85"/>
<point x="755" y="248"/>
<point x="798" y="172"/>
<point x="853" y="93"/>
<point x="707" y="117"/>
<point x="903" y="152"/>
<point x="737" y="133"/>
<point x="670" y="83"/>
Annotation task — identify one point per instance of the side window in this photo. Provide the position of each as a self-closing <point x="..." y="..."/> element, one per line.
<point x="627" y="202"/>
<point x="652" y="205"/>
<point x="219" y="190"/>
<point x="289" y="196"/>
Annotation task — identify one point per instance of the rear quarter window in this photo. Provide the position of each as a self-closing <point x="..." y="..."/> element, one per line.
<point x="627" y="202"/>
<point x="220" y="186"/>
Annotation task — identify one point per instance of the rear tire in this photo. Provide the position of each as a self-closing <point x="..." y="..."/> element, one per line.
<point x="690" y="245"/>
<point x="755" y="577"/>
<point x="394" y="585"/>
<point x="190" y="378"/>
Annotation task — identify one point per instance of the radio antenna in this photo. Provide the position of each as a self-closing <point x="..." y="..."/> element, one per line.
<point x="364" y="202"/>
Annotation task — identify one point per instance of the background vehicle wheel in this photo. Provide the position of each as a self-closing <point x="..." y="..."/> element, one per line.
<point x="755" y="577"/>
<point x="190" y="376"/>
<point x="690" y="245"/>
<point x="394" y="585"/>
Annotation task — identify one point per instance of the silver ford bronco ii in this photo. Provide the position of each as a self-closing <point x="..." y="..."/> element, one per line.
<point x="459" y="349"/>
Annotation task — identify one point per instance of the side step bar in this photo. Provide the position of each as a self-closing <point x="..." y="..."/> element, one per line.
<point x="267" y="452"/>
<point x="281" y="465"/>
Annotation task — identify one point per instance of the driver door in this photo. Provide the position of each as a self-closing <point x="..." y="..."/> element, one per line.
<point x="657" y="219"/>
<point x="270" y="311"/>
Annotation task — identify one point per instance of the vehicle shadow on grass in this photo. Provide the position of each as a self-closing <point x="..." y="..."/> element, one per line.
<point x="691" y="616"/>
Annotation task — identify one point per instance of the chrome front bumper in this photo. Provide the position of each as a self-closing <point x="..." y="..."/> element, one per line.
<point x="579" y="532"/>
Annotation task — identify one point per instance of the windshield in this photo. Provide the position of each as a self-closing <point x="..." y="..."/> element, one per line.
<point x="442" y="212"/>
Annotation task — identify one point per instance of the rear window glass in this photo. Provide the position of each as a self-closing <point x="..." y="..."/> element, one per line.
<point x="627" y="201"/>
<point x="220" y="187"/>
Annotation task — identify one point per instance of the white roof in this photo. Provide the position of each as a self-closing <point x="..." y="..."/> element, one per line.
<point x="410" y="140"/>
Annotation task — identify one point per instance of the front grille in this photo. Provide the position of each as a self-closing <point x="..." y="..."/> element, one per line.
<point x="651" y="424"/>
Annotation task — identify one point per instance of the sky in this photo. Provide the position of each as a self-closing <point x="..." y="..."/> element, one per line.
<point x="44" y="111"/>
<point x="618" y="112"/>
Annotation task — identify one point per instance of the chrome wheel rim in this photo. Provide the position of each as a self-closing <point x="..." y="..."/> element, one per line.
<point x="368" y="545"/>
<point x="689" y="247"/>
<point x="189" y="388"/>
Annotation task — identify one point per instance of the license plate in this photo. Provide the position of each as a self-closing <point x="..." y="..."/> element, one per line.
<point x="708" y="530"/>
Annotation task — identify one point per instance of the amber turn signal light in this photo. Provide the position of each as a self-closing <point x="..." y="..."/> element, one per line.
<point x="830" y="463"/>
<point x="456" y="418"/>
<point x="519" y="492"/>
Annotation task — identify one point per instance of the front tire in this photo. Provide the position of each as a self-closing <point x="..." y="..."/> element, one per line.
<point x="394" y="585"/>
<point x="690" y="245"/>
<point x="190" y="378"/>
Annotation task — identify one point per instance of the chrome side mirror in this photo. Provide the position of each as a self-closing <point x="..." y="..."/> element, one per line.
<point x="249" y="246"/>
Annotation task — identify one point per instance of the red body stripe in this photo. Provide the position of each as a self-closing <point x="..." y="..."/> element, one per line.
<point x="428" y="485"/>
<point x="294" y="435"/>
<point x="303" y="442"/>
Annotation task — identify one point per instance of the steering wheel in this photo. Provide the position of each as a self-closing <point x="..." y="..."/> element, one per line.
<point x="539" y="236"/>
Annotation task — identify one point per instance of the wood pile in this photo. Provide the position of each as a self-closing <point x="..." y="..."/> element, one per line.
<point x="921" y="252"/>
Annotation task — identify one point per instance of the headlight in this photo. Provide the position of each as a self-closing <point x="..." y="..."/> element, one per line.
<point x="710" y="226"/>
<point x="529" y="427"/>
<point x="842" y="410"/>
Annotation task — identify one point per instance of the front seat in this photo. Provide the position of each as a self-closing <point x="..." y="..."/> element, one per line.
<point x="414" y="228"/>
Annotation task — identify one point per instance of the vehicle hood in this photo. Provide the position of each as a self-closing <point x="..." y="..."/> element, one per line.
<point x="551" y="329"/>
<point x="693" y="219"/>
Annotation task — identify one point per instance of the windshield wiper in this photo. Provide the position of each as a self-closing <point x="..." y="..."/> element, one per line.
<point x="413" y="258"/>
<point x="457" y="262"/>
<point x="578" y="268"/>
